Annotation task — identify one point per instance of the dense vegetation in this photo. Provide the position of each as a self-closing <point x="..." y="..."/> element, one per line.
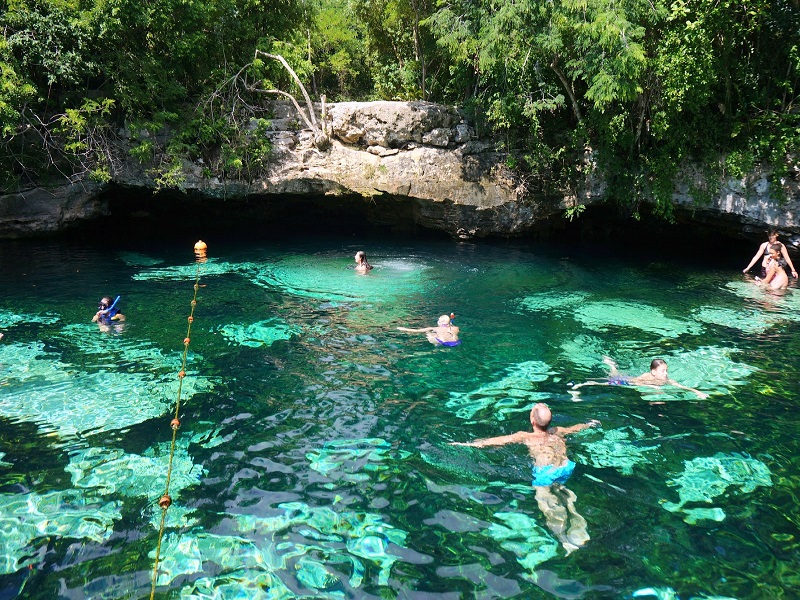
<point x="644" y="84"/>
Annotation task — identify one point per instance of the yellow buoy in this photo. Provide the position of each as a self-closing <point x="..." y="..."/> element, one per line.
<point x="201" y="251"/>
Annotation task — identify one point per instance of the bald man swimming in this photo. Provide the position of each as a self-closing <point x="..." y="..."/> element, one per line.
<point x="551" y="469"/>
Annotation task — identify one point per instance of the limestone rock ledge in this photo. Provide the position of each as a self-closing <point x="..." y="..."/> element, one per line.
<point x="39" y="211"/>
<point x="421" y="156"/>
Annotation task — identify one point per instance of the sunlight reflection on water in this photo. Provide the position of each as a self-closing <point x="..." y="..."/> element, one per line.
<point x="313" y="458"/>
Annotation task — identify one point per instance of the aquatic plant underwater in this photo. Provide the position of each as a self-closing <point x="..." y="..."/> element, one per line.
<point x="313" y="454"/>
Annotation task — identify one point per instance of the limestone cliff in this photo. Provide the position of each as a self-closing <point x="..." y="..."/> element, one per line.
<point x="421" y="155"/>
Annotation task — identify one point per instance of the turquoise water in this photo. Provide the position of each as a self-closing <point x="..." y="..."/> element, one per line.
<point x="314" y="456"/>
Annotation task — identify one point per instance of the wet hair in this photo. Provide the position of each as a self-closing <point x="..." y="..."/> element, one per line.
<point x="776" y="247"/>
<point x="541" y="415"/>
<point x="772" y="232"/>
<point x="361" y="256"/>
<point x="657" y="362"/>
<point x="107" y="299"/>
<point x="443" y="321"/>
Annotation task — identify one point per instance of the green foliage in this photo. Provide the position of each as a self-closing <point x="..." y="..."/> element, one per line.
<point x="643" y="86"/>
<point x="143" y="151"/>
<point x="14" y="93"/>
<point x="52" y="42"/>
<point x="574" y="211"/>
<point x="399" y="45"/>
<point x="170" y="174"/>
<point x="335" y="40"/>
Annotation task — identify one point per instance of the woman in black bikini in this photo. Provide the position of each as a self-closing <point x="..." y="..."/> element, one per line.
<point x="763" y="254"/>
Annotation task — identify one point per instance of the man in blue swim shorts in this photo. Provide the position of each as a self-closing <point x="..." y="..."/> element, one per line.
<point x="552" y="468"/>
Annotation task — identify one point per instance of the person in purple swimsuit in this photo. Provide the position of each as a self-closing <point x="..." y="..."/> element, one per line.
<point x="444" y="334"/>
<point x="655" y="378"/>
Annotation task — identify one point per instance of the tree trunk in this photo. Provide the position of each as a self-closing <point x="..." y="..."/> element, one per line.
<point x="567" y="86"/>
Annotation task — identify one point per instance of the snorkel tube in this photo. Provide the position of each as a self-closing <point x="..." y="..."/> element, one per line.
<point x="110" y="312"/>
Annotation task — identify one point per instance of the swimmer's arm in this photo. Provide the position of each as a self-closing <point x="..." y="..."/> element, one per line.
<point x="788" y="260"/>
<point x="698" y="393"/>
<point x="423" y="330"/>
<point x="580" y="385"/>
<point x="760" y="252"/>
<point x="514" y="438"/>
<point x="773" y="270"/>
<point x="561" y="431"/>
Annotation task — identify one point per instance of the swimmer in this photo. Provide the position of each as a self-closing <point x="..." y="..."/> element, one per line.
<point x="775" y="277"/>
<point x="444" y="334"/>
<point x="108" y="313"/>
<point x="551" y="469"/>
<point x="362" y="266"/>
<point x="655" y="378"/>
<point x="764" y="254"/>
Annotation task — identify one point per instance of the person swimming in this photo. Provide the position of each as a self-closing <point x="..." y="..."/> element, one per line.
<point x="108" y="313"/>
<point x="362" y="265"/>
<point x="444" y="334"/>
<point x="655" y="378"/>
<point x="551" y="470"/>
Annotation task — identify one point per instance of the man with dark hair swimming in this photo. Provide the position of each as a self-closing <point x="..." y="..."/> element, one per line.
<point x="551" y="469"/>
<point x="444" y="334"/>
<point x="655" y="378"/>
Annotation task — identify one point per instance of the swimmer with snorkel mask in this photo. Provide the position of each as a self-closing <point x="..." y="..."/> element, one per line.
<point x="108" y="313"/>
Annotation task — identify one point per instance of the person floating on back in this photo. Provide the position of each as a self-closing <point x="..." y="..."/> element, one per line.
<point x="362" y="266"/>
<point x="551" y="469"/>
<point x="655" y="378"/>
<point x="444" y="334"/>
<point x="108" y="313"/>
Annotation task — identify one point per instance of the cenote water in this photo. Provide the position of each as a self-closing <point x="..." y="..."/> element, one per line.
<point x="314" y="460"/>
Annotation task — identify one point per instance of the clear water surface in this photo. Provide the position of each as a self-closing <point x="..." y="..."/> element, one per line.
<point x="314" y="456"/>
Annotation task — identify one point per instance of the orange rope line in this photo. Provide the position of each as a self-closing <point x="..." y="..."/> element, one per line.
<point x="165" y="501"/>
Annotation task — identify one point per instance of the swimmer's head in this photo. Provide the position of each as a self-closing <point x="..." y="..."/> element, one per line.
<point x="360" y="256"/>
<point x="444" y="321"/>
<point x="104" y="303"/>
<point x="659" y="367"/>
<point x="541" y="415"/>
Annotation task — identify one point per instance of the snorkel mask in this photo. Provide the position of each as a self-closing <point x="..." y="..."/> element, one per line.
<point x="109" y="310"/>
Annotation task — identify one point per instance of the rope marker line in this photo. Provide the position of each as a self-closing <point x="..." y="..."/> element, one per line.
<point x="200" y="251"/>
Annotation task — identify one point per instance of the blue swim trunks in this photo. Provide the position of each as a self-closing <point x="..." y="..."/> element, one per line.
<point x="548" y="474"/>
<point x="448" y="344"/>
<point x="618" y="381"/>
